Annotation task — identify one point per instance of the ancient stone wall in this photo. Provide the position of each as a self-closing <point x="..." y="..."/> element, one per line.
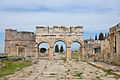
<point x="115" y="44"/>
<point x="88" y="48"/>
<point x="97" y="50"/>
<point x="19" y="43"/>
<point x="109" y="48"/>
<point x="105" y="50"/>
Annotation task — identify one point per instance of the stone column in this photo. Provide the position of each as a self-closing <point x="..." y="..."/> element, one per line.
<point x="37" y="51"/>
<point x="17" y="51"/>
<point x="68" y="54"/>
<point x="50" y="53"/>
<point x="82" y="54"/>
<point x="25" y="51"/>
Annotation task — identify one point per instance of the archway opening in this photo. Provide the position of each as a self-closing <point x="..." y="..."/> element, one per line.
<point x="75" y="50"/>
<point x="59" y="47"/>
<point x="43" y="49"/>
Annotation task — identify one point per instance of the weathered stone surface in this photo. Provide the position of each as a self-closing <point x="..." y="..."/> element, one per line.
<point x="53" y="34"/>
<point x="25" y="44"/>
<point x="20" y="44"/>
<point x="115" y="44"/>
<point x="60" y="70"/>
<point x="107" y="50"/>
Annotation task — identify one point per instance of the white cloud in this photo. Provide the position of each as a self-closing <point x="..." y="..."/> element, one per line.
<point x="29" y="20"/>
<point x="97" y="14"/>
<point x="58" y="2"/>
<point x="111" y="4"/>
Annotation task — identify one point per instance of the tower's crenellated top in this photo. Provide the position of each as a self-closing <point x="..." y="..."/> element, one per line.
<point x="59" y="29"/>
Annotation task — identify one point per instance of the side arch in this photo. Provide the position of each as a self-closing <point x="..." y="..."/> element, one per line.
<point x="81" y="53"/>
<point x="37" y="47"/>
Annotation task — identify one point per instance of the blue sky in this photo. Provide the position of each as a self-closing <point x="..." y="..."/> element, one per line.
<point x="93" y="15"/>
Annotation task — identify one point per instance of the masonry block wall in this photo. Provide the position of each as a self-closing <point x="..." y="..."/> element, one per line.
<point x="19" y="43"/>
<point x="60" y="29"/>
<point x="66" y="34"/>
<point x="115" y="44"/>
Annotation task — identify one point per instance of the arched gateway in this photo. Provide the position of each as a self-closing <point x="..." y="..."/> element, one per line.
<point x="55" y="33"/>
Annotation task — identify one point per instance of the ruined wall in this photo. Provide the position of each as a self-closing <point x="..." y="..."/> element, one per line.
<point x="105" y="50"/>
<point x="97" y="50"/>
<point x="109" y="48"/>
<point x="115" y="44"/>
<point x="88" y="48"/>
<point x="19" y="43"/>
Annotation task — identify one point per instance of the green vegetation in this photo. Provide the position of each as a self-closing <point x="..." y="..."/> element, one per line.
<point x="116" y="77"/>
<point x="75" y="56"/>
<point x="101" y="36"/>
<point x="96" y="37"/>
<point x="98" y="77"/>
<point x="79" y="75"/>
<point x="61" y="49"/>
<point x="12" y="66"/>
<point x="56" y="49"/>
<point x="64" y="59"/>
<point x="108" y="72"/>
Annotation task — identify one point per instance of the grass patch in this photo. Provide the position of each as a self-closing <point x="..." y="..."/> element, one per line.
<point x="116" y="77"/>
<point x="98" y="77"/>
<point x="108" y="72"/>
<point x="12" y="66"/>
<point x="79" y="75"/>
<point x="75" y="56"/>
<point x="64" y="59"/>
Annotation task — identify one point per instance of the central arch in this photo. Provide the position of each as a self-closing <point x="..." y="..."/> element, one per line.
<point x="60" y="43"/>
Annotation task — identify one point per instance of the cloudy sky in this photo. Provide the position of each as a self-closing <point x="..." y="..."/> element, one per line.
<point x="94" y="15"/>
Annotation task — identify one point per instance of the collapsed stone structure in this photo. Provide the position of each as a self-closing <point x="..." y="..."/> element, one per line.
<point x="97" y="50"/>
<point x="18" y="43"/>
<point x="27" y="43"/>
<point x="107" y="50"/>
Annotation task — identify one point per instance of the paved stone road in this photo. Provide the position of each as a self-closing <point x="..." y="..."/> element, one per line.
<point x="60" y="70"/>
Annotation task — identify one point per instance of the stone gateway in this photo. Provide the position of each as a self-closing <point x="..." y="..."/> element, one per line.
<point x="26" y="44"/>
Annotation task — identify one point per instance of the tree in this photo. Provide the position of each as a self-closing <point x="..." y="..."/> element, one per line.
<point x="105" y="35"/>
<point x="108" y="34"/>
<point x="61" y="49"/>
<point x="56" y="49"/>
<point x="101" y="36"/>
<point x="90" y="37"/>
<point x="96" y="37"/>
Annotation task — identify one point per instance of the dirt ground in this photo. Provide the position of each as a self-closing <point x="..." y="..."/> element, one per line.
<point x="58" y="69"/>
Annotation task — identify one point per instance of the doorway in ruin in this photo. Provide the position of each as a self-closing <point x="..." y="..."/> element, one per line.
<point x="21" y="51"/>
<point x="60" y="48"/>
<point x="43" y="49"/>
<point x="76" y="50"/>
